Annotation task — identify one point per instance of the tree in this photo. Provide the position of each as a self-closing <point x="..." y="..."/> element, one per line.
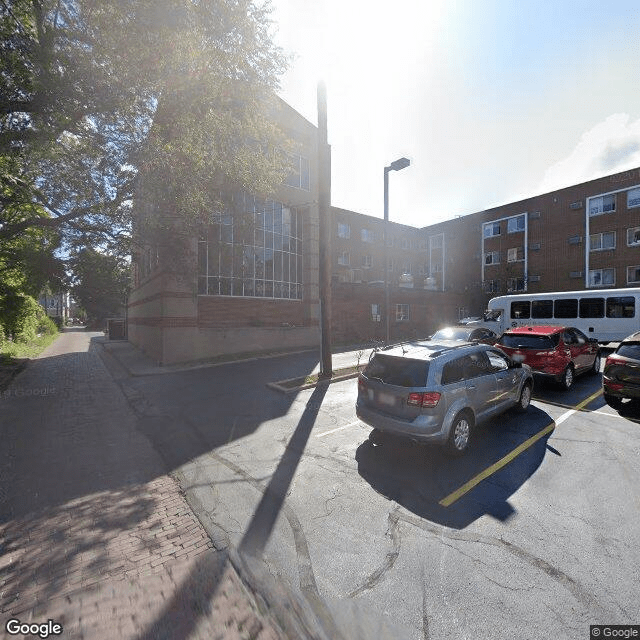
<point x="97" y="91"/>
<point x="100" y="284"/>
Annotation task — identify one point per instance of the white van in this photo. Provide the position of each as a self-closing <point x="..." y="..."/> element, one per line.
<point x="606" y="314"/>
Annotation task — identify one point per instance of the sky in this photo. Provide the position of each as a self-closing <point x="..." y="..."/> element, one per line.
<point x="492" y="101"/>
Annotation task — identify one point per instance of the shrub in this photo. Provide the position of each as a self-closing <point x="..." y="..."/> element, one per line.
<point x="46" y="325"/>
<point x="25" y="318"/>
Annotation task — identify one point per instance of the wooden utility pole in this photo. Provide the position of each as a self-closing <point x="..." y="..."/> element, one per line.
<point x="324" y="214"/>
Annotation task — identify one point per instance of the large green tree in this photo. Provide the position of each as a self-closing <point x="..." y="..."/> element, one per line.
<point x="96" y="93"/>
<point x="100" y="284"/>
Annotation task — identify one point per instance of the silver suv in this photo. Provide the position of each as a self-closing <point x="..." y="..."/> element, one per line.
<point x="438" y="392"/>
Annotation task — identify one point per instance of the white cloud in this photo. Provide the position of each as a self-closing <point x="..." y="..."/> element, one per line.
<point x="611" y="146"/>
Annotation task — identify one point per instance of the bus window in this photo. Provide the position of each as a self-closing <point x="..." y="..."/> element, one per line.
<point x="492" y="315"/>
<point x="542" y="309"/>
<point x="567" y="308"/>
<point x="621" y="307"/>
<point x="592" y="307"/>
<point x="520" y="309"/>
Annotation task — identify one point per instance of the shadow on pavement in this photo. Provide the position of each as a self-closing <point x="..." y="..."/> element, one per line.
<point x="419" y="476"/>
<point x="180" y="614"/>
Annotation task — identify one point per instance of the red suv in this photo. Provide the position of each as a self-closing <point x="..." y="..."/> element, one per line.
<point x="556" y="353"/>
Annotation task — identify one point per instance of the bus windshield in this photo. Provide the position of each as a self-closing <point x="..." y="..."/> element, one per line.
<point x="492" y="315"/>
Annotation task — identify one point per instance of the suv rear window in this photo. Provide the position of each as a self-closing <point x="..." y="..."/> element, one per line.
<point x="401" y="372"/>
<point x="521" y="341"/>
<point x="629" y="350"/>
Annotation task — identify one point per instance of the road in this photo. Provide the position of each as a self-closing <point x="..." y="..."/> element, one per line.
<point x="541" y="544"/>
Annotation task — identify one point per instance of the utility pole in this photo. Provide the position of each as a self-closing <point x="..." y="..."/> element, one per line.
<point x="324" y="223"/>
<point x="396" y="165"/>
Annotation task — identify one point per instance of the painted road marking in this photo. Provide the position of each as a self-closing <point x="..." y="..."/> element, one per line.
<point x="326" y="433"/>
<point x="465" y="488"/>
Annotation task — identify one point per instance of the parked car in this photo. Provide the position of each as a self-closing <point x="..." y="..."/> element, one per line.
<point x="466" y="334"/>
<point x="552" y="352"/>
<point x="428" y="392"/>
<point x="621" y="375"/>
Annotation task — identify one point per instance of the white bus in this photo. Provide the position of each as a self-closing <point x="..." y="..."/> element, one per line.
<point x="607" y="314"/>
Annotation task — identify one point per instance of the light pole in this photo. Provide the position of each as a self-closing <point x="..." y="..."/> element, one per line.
<point x="396" y="165"/>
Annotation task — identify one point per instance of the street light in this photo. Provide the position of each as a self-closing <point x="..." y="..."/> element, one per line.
<point x="396" y="165"/>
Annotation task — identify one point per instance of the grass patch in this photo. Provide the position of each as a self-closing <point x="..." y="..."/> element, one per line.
<point x="313" y="378"/>
<point x="11" y="351"/>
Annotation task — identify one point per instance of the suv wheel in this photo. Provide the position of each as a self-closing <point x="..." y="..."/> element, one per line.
<point x="525" y="399"/>
<point x="375" y="437"/>
<point x="460" y="434"/>
<point x="614" y="402"/>
<point x="596" y="365"/>
<point x="567" y="378"/>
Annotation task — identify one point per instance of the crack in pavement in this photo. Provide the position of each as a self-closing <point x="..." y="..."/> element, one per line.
<point x="374" y="578"/>
<point x="305" y="569"/>
<point x="576" y="589"/>
<point x="425" y="615"/>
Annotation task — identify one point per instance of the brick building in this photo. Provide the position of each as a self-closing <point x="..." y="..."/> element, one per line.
<point x="584" y="236"/>
<point x="420" y="299"/>
<point x="254" y="284"/>
<point x="254" y="280"/>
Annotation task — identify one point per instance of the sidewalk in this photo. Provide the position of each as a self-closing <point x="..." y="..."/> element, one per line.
<point x="138" y="363"/>
<point x="95" y="536"/>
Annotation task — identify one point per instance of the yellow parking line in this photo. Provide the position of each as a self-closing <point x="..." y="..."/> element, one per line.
<point x="465" y="488"/>
<point x="591" y="398"/>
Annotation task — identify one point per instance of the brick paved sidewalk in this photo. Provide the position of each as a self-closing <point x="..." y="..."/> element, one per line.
<point x="93" y="534"/>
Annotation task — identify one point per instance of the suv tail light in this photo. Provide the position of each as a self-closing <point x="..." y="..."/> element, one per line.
<point x="428" y="399"/>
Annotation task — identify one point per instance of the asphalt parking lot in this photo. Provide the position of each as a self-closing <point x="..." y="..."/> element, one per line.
<point x="532" y="534"/>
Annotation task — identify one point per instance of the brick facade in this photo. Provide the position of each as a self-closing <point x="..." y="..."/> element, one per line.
<point x="437" y="273"/>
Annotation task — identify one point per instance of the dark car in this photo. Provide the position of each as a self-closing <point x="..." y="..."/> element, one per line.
<point x="552" y="352"/>
<point x="621" y="375"/>
<point x="466" y="334"/>
<point x="430" y="392"/>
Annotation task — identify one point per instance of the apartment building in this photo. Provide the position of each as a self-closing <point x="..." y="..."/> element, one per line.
<point x="581" y="237"/>
<point x="420" y="297"/>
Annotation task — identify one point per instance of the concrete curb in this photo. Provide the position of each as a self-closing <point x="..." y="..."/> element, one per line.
<point x="282" y="388"/>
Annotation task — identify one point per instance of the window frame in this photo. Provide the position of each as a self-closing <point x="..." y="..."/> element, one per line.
<point x="634" y="230"/>
<point x="492" y="286"/>
<point x="520" y="216"/>
<point x="637" y="267"/>
<point x="601" y="237"/>
<point x="517" y="281"/>
<point x="344" y="230"/>
<point x="367" y="235"/>
<point x="493" y="225"/>
<point x="233" y="262"/>
<point x="636" y="202"/>
<point x="519" y="251"/>
<point x="300" y="178"/>
<point x="603" y="210"/>
<point x="401" y="316"/>
<point x="593" y="272"/>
